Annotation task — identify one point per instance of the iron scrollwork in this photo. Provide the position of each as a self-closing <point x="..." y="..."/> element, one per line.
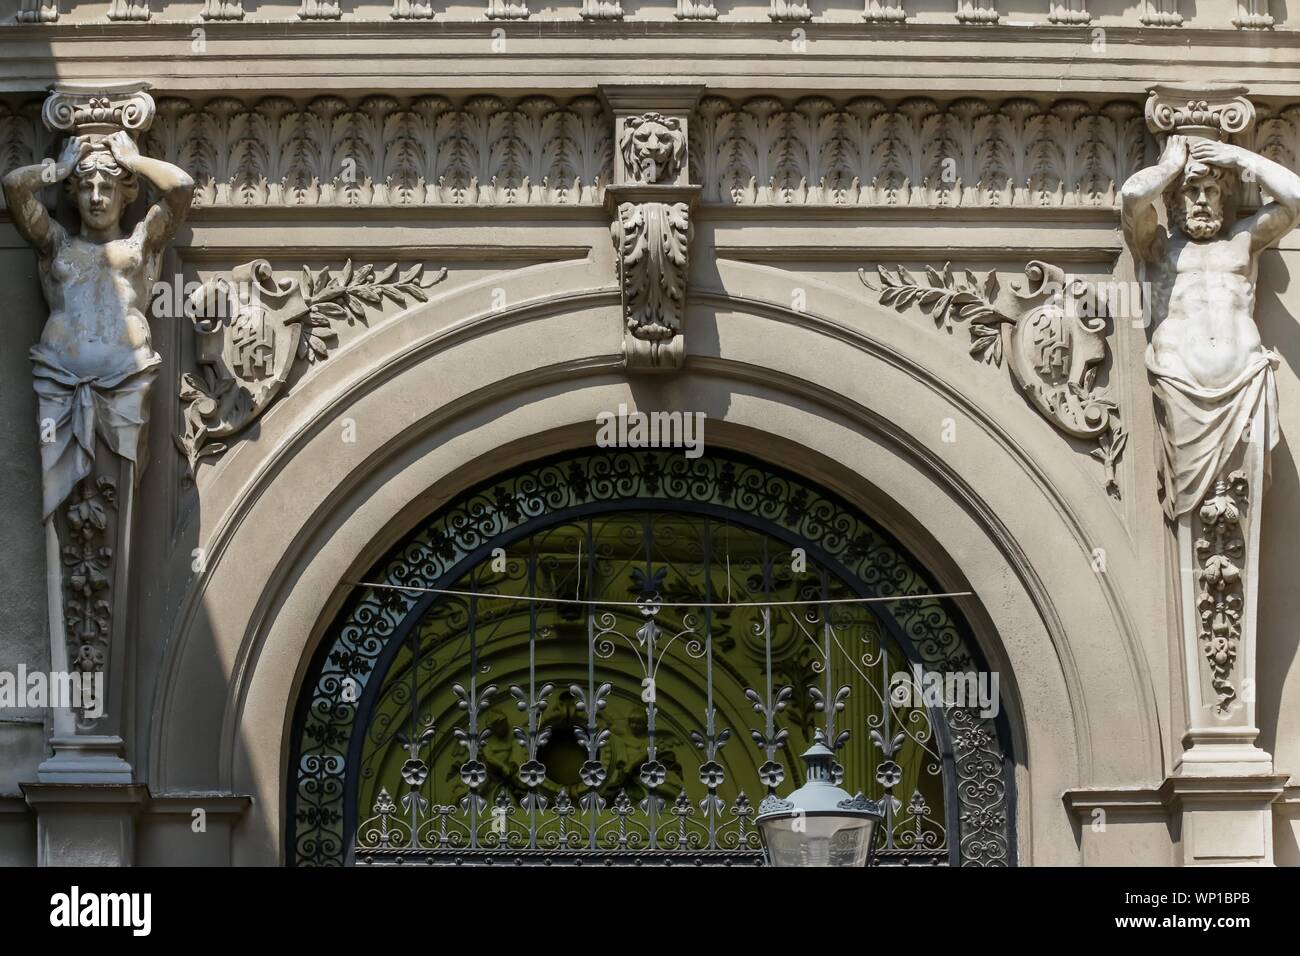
<point x="491" y="787"/>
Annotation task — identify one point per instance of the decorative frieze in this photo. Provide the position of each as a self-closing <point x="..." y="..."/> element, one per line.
<point x="381" y="151"/>
<point x="972" y="152"/>
<point x="1052" y="332"/>
<point x="252" y="331"/>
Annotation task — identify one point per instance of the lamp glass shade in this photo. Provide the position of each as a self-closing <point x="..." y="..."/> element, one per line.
<point x="828" y="839"/>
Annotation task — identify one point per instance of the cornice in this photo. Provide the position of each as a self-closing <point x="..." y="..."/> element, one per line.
<point x="565" y="56"/>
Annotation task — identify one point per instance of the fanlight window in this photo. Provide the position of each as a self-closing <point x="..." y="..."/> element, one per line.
<point x="547" y="674"/>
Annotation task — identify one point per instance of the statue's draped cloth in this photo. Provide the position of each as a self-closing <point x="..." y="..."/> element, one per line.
<point x="1201" y="427"/>
<point x="114" y="406"/>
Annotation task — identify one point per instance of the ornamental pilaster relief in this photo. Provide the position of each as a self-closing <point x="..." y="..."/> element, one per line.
<point x="1215" y="398"/>
<point x="94" y="370"/>
<point x="651" y="201"/>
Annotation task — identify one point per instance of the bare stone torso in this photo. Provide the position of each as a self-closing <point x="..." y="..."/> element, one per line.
<point x="98" y="295"/>
<point x="1207" y="334"/>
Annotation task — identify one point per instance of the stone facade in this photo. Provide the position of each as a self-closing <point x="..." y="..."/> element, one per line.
<point x="917" y="253"/>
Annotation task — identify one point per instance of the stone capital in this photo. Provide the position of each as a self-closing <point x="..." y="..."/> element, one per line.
<point x="1214" y="112"/>
<point x="80" y="109"/>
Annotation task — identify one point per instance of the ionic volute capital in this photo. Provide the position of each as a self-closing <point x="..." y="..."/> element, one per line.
<point x="1209" y="112"/>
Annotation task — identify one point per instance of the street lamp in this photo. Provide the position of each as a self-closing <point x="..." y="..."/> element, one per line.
<point x="819" y="824"/>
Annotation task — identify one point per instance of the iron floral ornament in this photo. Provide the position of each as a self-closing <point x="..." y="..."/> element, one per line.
<point x="1052" y="332"/>
<point x="252" y="330"/>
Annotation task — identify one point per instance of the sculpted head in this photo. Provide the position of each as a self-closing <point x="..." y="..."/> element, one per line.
<point x="101" y="188"/>
<point x="653" y="146"/>
<point x="1201" y="201"/>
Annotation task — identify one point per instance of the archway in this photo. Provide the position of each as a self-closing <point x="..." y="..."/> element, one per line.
<point x="655" y="655"/>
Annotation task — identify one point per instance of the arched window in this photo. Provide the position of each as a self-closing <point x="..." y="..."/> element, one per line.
<point x="614" y="656"/>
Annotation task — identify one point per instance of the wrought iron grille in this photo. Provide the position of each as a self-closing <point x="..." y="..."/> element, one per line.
<point x="634" y="655"/>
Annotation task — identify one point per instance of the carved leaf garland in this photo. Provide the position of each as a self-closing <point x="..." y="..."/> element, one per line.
<point x="1055" y="349"/>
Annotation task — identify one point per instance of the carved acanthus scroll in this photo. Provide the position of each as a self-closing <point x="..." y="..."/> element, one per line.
<point x="651" y="201"/>
<point x="653" y="240"/>
<point x="251" y="330"/>
<point x="1220" y="554"/>
<point x="1052" y="331"/>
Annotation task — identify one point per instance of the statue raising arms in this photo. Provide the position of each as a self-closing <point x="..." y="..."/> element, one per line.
<point x="1213" y="378"/>
<point x="95" y="361"/>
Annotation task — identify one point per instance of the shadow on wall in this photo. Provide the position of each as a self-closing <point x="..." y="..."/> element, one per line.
<point x="1277" y="704"/>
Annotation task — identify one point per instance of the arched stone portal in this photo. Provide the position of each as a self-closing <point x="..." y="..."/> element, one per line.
<point x="565" y="664"/>
<point x="290" y="519"/>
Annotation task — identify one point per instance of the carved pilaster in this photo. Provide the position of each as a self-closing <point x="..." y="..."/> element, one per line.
<point x="1069" y="11"/>
<point x="977" y="11"/>
<point x="651" y="201"/>
<point x="94" y="410"/>
<point x="1215" y="442"/>
<point x="884" y="11"/>
<point x="1252" y="15"/>
<point x="38" y="11"/>
<point x="1161" y="13"/>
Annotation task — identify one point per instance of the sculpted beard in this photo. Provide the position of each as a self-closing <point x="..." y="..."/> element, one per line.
<point x="1197" y="223"/>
